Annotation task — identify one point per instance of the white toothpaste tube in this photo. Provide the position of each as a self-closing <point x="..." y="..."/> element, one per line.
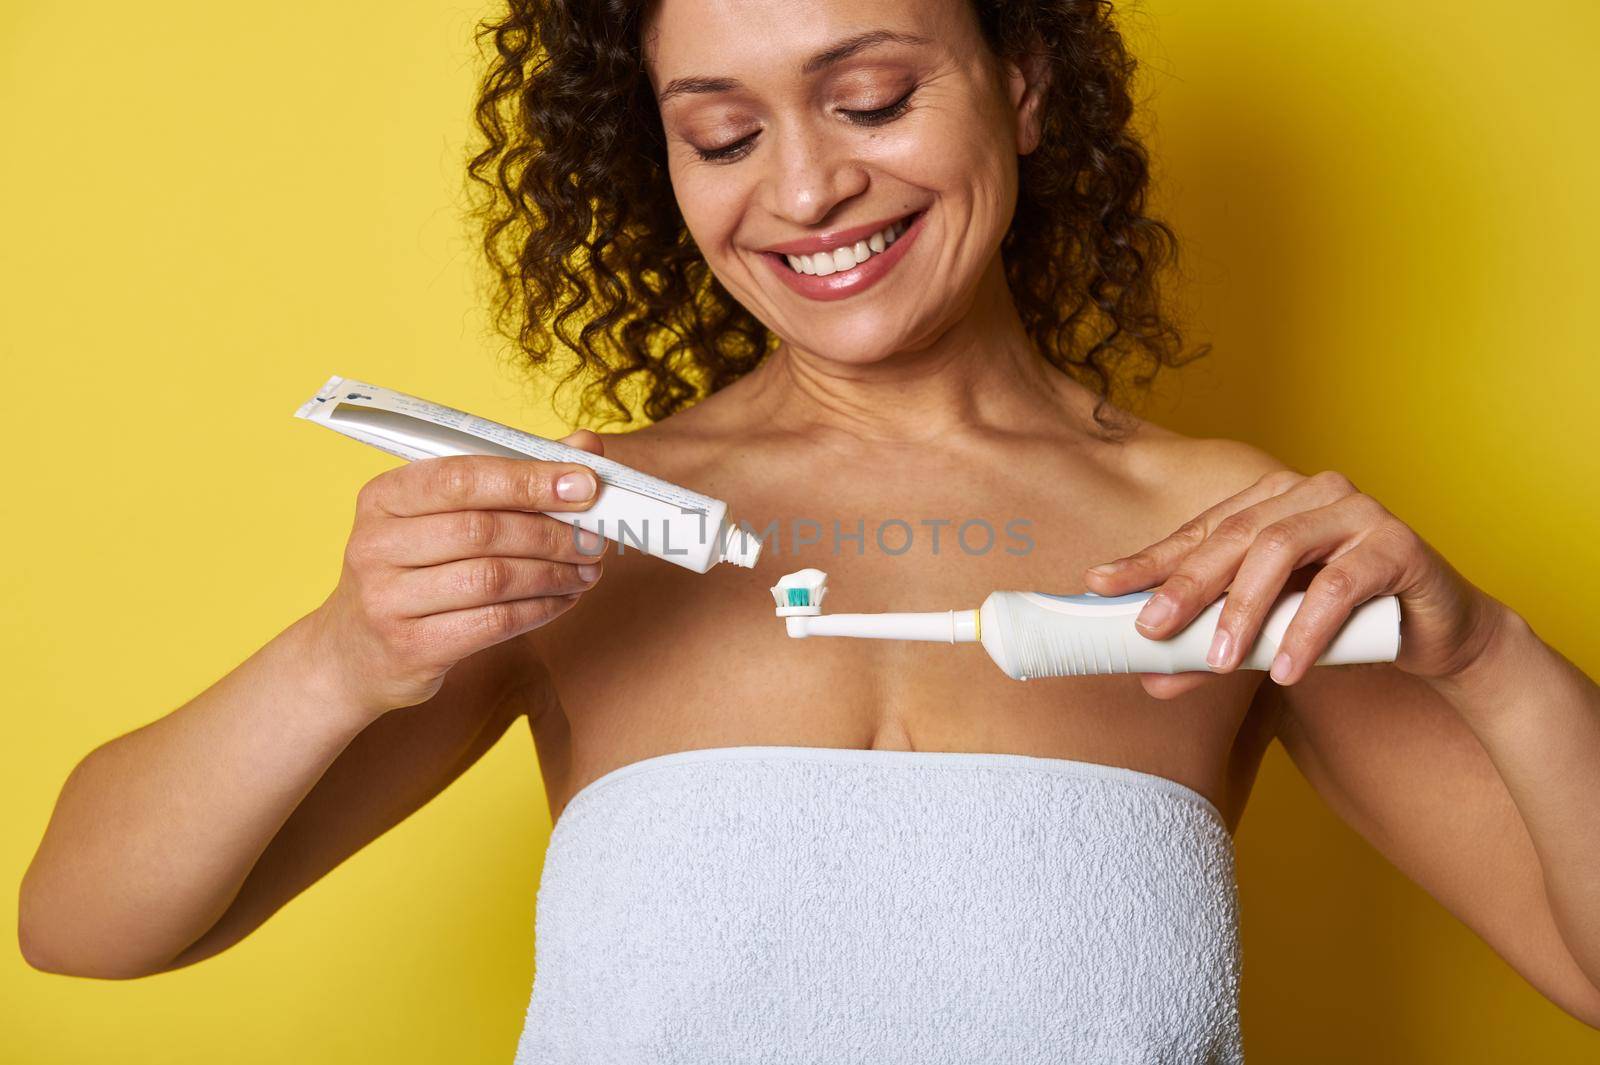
<point x="633" y="509"/>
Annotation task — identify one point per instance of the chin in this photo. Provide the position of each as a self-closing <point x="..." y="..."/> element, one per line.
<point x="849" y="349"/>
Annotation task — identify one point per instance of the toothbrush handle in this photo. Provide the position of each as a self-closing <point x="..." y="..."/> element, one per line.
<point x="1030" y="634"/>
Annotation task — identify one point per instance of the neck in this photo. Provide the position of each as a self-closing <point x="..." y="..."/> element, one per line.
<point x="981" y="373"/>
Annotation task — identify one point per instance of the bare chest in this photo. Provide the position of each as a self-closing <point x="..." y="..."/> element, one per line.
<point x="656" y="659"/>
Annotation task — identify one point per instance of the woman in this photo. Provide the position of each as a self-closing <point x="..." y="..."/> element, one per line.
<point x="849" y="850"/>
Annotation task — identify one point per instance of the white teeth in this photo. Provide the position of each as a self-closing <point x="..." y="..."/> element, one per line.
<point x="823" y="263"/>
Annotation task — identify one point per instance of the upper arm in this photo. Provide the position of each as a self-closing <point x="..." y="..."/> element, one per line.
<point x="390" y="770"/>
<point x="1395" y="761"/>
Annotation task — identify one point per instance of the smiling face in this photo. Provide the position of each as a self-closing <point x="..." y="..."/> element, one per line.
<point x="813" y="128"/>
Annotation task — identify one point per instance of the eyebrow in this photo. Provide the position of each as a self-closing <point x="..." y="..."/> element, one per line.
<point x="834" y="53"/>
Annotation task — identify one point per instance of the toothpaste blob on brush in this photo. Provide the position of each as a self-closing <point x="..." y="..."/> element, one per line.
<point x="636" y="510"/>
<point x="1035" y="634"/>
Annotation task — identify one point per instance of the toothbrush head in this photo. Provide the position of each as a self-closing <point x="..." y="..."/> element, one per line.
<point x="799" y="594"/>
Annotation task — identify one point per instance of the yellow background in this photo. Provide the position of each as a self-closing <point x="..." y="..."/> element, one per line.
<point x="207" y="209"/>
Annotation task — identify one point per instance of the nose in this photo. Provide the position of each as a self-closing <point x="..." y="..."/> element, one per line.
<point x="812" y="171"/>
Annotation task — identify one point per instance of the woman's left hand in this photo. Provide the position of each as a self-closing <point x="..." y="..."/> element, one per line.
<point x="1248" y="545"/>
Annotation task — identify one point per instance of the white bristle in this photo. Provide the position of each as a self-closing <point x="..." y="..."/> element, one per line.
<point x="811" y="584"/>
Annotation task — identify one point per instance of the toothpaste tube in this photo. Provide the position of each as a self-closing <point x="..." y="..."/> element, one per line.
<point x="632" y="508"/>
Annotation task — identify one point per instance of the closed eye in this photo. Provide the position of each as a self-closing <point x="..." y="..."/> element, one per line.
<point x="883" y="114"/>
<point x="878" y="117"/>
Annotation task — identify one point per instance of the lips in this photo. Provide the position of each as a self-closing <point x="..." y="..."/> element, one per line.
<point x="842" y="238"/>
<point x="845" y="283"/>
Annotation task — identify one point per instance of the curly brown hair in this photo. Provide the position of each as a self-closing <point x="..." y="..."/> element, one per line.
<point x="575" y="161"/>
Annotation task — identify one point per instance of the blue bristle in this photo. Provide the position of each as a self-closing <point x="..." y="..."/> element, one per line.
<point x="799" y="597"/>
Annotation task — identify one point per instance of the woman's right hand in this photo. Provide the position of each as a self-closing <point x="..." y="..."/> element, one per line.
<point x="449" y="556"/>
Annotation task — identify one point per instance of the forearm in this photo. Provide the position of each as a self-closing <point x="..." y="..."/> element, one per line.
<point x="154" y="833"/>
<point x="1538" y="717"/>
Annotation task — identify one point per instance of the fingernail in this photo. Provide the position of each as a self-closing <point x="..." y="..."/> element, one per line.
<point x="1105" y="569"/>
<point x="1218" y="655"/>
<point x="1281" y="666"/>
<point x="588" y="573"/>
<point x="1155" y="612"/>
<point x="575" y="487"/>
<point x="589" y="541"/>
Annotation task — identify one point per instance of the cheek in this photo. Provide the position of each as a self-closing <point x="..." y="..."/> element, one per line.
<point x="973" y="158"/>
<point x="710" y="206"/>
<point x="951" y="146"/>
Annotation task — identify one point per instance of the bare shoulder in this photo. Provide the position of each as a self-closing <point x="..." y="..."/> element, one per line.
<point x="691" y="447"/>
<point x="1198" y="470"/>
<point x="678" y="432"/>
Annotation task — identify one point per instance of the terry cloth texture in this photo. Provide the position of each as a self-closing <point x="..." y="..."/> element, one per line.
<point x="828" y="905"/>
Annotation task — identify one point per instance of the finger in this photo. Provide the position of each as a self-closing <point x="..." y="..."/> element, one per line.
<point x="458" y="633"/>
<point x="480" y="482"/>
<point x="585" y="440"/>
<point x="1150" y="564"/>
<point x="1202" y="575"/>
<point x="475" y="582"/>
<point x="1278" y="550"/>
<point x="431" y="539"/>
<point x="1172" y="685"/>
<point x="1336" y="590"/>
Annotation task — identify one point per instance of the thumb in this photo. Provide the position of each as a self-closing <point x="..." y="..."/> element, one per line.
<point x="1172" y="685"/>
<point x="585" y="440"/>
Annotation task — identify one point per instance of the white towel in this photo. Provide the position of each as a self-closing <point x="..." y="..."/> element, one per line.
<point x="827" y="905"/>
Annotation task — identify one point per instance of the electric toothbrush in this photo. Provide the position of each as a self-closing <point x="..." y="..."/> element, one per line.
<point x="1035" y="634"/>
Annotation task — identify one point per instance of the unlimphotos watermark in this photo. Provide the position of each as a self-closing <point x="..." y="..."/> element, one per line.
<point x="890" y="536"/>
